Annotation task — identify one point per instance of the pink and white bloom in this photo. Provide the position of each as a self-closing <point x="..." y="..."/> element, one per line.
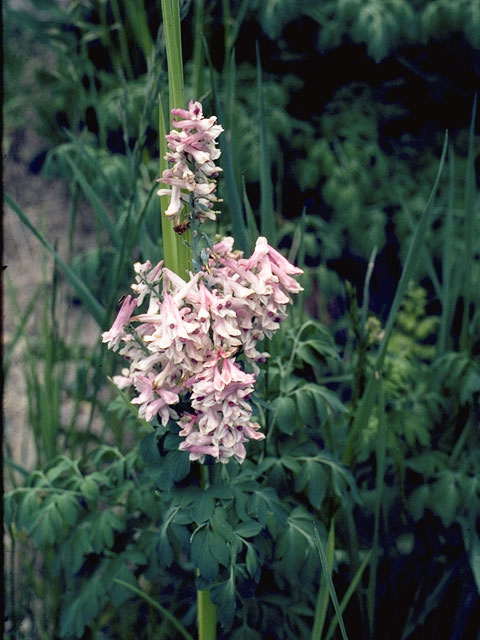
<point x="117" y="332"/>
<point x="183" y="350"/>
<point x="222" y="418"/>
<point x="193" y="152"/>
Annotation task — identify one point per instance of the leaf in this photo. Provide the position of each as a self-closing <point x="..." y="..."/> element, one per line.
<point x="264" y="501"/>
<point x="165" y="612"/>
<point x="149" y="449"/>
<point x="286" y="414"/>
<point x="75" y="548"/>
<point x="27" y="510"/>
<point x="83" y="609"/>
<point x="61" y="465"/>
<point x="178" y="465"/>
<point x="418" y="500"/>
<point x="202" y="556"/>
<point x="220" y="524"/>
<point x="203" y="507"/>
<point x="326" y="400"/>
<point x="248" y="529"/>
<point x="90" y="490"/>
<point x="118" y="570"/>
<point x="317" y="485"/>
<point x="445" y="497"/>
<point x="164" y="548"/>
<point x="103" y="527"/>
<point x="306" y="407"/>
<point x="219" y="548"/>
<point x="68" y="507"/>
<point x="223" y="595"/>
<point x="251" y="560"/>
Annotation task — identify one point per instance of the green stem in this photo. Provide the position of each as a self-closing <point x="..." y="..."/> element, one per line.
<point x="170" y="249"/>
<point x="177" y="252"/>
<point x="206" y="610"/>
<point x="206" y="616"/>
<point x="198" y="58"/>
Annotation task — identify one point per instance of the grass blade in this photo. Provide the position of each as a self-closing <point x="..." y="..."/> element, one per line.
<point x="252" y="229"/>
<point x="470" y="214"/>
<point x="366" y="404"/>
<point x="137" y="16"/>
<point x="322" y="598"/>
<point x="267" y="215"/>
<point x="19" y="331"/>
<point x="165" y="612"/>
<point x="91" y="304"/>
<point x="92" y="197"/>
<point x="92" y="160"/>
<point x="237" y="220"/>
<point x="381" y="453"/>
<point x="411" y="261"/>
<point x="352" y="587"/>
<point x="328" y="578"/>
<point x="198" y="64"/>
<point x="449" y="293"/>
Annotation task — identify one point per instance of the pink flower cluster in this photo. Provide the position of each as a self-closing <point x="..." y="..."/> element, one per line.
<point x="186" y="345"/>
<point x="192" y="150"/>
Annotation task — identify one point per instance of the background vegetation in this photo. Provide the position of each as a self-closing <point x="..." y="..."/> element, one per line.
<point x="335" y="115"/>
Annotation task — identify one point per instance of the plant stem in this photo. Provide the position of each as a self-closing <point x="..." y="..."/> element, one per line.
<point x="206" y="610"/>
<point x="177" y="252"/>
<point x="206" y="616"/>
<point x="198" y="62"/>
<point x="178" y="255"/>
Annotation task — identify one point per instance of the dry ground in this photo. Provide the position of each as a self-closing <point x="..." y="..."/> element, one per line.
<point x="46" y="203"/>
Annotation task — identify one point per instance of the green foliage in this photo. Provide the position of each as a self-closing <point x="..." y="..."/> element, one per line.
<point x="382" y="25"/>
<point x="124" y="540"/>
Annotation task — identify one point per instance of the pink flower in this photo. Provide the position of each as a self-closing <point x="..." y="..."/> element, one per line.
<point x="222" y="412"/>
<point x="154" y="401"/>
<point x="114" y="336"/>
<point x="186" y="346"/>
<point x="192" y="150"/>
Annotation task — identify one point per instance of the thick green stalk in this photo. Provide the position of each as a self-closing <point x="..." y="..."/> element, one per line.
<point x="206" y="616"/>
<point x="198" y="57"/>
<point x="178" y="256"/>
<point x="170" y="252"/>
<point x="206" y="610"/>
<point x="182" y="261"/>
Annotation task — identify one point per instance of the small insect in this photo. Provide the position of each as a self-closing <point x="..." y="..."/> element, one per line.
<point x="182" y="227"/>
<point x="121" y="300"/>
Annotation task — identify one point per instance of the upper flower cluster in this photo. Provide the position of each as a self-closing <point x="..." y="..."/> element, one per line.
<point x="187" y="343"/>
<point x="193" y="152"/>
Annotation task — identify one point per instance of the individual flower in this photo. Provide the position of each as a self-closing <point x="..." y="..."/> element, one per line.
<point x="117" y="331"/>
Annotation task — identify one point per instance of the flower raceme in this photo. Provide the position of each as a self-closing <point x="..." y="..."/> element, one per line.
<point x="193" y="152"/>
<point x="186" y="346"/>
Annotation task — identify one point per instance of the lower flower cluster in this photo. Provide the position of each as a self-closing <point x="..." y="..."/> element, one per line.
<point x="183" y="351"/>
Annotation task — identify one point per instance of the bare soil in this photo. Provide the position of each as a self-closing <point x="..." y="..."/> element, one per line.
<point x="27" y="265"/>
